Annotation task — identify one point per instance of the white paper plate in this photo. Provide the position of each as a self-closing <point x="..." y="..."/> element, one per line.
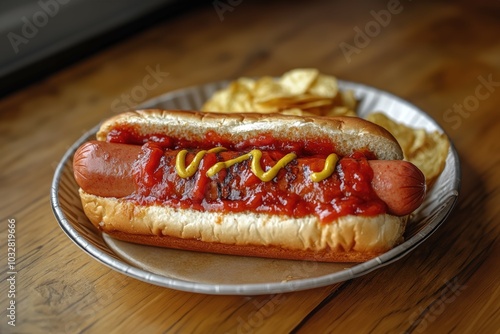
<point x="224" y="274"/>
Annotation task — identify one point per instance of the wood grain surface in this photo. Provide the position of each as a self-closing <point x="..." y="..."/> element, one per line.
<point x="442" y="56"/>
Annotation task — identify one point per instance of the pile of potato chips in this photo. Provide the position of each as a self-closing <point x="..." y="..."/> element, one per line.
<point x="306" y="92"/>
<point x="297" y="92"/>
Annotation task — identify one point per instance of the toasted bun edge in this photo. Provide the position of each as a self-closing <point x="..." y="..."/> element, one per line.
<point x="349" y="134"/>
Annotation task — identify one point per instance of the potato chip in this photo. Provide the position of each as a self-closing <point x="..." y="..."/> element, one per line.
<point x="280" y="101"/>
<point x="266" y="88"/>
<point x="298" y="81"/>
<point x="340" y="111"/>
<point x="426" y="150"/>
<point x="304" y="104"/>
<point x="324" y="86"/>
<point x="236" y="97"/>
<point x="348" y="99"/>
<point x="247" y="83"/>
<point x="430" y="157"/>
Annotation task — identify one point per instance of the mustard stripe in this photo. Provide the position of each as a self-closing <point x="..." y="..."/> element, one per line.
<point x="180" y="161"/>
<point x="270" y="174"/>
<point x="328" y="170"/>
<point x="256" y="155"/>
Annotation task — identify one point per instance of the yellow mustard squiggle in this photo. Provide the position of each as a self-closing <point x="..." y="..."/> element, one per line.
<point x="180" y="161"/>
<point x="271" y="173"/>
<point x="328" y="170"/>
<point x="256" y="168"/>
<point x="256" y="155"/>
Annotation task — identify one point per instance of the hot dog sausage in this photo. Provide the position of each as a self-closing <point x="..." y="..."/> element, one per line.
<point x="399" y="184"/>
<point x="106" y="169"/>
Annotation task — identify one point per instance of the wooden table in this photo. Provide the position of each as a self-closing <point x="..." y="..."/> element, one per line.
<point x="443" y="57"/>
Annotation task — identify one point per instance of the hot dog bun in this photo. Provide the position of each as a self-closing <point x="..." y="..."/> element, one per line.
<point x="348" y="133"/>
<point x="349" y="238"/>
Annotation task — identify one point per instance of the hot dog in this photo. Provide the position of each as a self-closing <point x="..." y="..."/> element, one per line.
<point x="106" y="169"/>
<point x="249" y="184"/>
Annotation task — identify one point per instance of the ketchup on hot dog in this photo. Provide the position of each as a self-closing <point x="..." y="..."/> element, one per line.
<point x="149" y="175"/>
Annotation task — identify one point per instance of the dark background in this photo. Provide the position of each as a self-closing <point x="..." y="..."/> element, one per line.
<point x="36" y="41"/>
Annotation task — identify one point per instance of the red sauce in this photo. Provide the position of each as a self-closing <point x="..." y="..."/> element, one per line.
<point x="127" y="135"/>
<point x="237" y="189"/>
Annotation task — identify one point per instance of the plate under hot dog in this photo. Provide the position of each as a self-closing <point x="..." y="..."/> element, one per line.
<point x="224" y="274"/>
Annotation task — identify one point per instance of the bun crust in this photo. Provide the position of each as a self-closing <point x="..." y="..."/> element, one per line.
<point x="349" y="134"/>
<point x="348" y="239"/>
